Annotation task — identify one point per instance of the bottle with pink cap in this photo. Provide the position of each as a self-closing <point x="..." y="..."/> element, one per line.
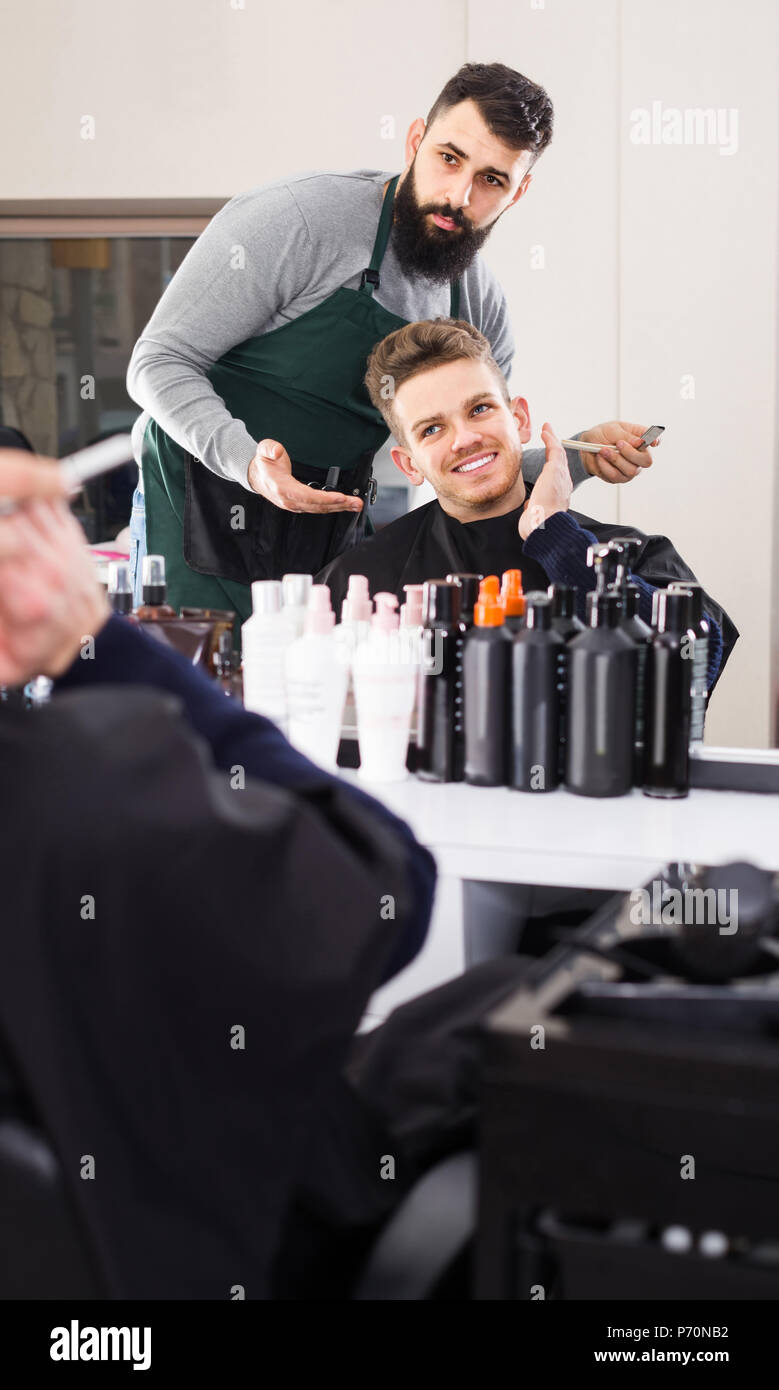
<point x="385" y="677"/>
<point x="356" y="613"/>
<point x="316" y="677"/>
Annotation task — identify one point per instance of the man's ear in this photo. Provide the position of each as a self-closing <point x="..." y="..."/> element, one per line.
<point x="414" y="139"/>
<point x="402" y="460"/>
<point x="521" y="412"/>
<point x="522" y="190"/>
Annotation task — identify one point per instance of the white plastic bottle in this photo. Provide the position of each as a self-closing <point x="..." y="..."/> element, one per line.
<point x="295" y="589"/>
<point x="385" y="677"/>
<point x="265" y="637"/>
<point x="317" y="671"/>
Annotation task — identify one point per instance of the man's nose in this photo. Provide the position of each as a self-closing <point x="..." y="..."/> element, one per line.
<point x="459" y="192"/>
<point x="466" y="437"/>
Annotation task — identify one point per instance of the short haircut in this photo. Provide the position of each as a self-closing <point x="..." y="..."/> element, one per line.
<point x="419" y="347"/>
<point x="513" y="108"/>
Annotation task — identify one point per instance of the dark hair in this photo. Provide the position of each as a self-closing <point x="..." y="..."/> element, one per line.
<point x="418" y="347"/>
<point x="514" y="109"/>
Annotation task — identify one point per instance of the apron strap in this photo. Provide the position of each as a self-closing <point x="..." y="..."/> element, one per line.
<point x="370" y="277"/>
<point x="369" y="280"/>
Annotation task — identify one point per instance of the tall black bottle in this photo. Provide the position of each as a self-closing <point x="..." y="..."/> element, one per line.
<point x="568" y="625"/>
<point x="486" y="682"/>
<point x="668" y="696"/>
<point x="628" y="595"/>
<point x="601" y="703"/>
<point x="440" y="727"/>
<point x="469" y="594"/>
<point x="535" y="698"/>
<point x="700" y="663"/>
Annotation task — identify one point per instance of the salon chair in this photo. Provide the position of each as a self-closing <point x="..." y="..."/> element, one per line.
<point x="45" y="1252"/>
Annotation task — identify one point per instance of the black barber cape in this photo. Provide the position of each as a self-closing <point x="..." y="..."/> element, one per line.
<point x="428" y="544"/>
<point x="150" y="912"/>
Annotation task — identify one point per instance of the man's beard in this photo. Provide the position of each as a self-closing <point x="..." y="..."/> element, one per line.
<point x="424" y="249"/>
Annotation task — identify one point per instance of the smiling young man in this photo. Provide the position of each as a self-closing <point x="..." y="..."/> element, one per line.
<point x="251" y="369"/>
<point x="457" y="428"/>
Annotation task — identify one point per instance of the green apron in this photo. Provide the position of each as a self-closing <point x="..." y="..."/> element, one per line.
<point x="302" y="384"/>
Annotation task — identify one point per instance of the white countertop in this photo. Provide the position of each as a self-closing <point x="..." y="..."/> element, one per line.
<point x="508" y="836"/>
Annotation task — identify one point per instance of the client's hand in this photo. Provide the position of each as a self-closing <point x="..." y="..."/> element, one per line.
<point x="619" y="460"/>
<point x="552" y="491"/>
<point x="49" y="596"/>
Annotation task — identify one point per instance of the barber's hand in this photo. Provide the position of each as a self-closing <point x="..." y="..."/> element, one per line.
<point x="49" y="596"/>
<point x="270" y="474"/>
<point x="619" y="460"/>
<point x="552" y="490"/>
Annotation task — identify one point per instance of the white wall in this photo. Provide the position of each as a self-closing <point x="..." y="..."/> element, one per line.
<point x="661" y="264"/>
<point x="195" y="98"/>
<point x="660" y="261"/>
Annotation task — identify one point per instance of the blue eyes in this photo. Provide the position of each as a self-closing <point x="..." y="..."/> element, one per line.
<point x="485" y="405"/>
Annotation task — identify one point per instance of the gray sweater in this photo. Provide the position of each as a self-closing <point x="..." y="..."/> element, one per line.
<point x="268" y="256"/>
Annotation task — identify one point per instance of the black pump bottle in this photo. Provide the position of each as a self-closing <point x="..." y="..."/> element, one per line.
<point x="440" y="728"/>
<point x="568" y="625"/>
<point x="601" y="703"/>
<point x="668" y="696"/>
<point x="628" y="596"/>
<point x="535" y="698"/>
<point x="486" y="678"/>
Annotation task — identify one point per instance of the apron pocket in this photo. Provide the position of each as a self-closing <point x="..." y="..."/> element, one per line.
<point x="235" y="534"/>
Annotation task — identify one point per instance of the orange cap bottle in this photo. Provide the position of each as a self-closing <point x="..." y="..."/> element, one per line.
<point x="511" y="595"/>
<point x="488" y="609"/>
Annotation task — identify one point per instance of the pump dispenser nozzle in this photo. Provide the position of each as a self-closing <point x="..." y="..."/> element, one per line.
<point x="489" y="609"/>
<point x="605" y="561"/>
<point x="411" y="610"/>
<point x="357" y="606"/>
<point x="511" y="595"/>
<point x="320" y="617"/>
<point x="385" y="619"/>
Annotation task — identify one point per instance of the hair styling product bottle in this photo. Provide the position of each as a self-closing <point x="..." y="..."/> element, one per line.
<point x="120" y="589"/>
<point x="628" y="596"/>
<point x="601" y="703"/>
<point x="440" y="729"/>
<point x="536" y="652"/>
<point x="669" y="696"/>
<point x="469" y="594"/>
<point x="567" y="624"/>
<point x="700" y="662"/>
<point x="486" y="677"/>
<point x="155" y="591"/>
<point x="265" y="637"/>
